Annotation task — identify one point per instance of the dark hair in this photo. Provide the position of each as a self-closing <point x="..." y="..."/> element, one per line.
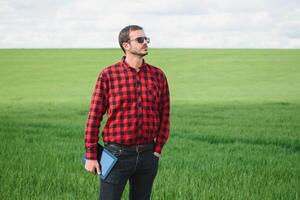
<point x="124" y="34"/>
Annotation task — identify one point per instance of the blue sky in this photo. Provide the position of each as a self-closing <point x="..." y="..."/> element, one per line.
<point x="169" y="23"/>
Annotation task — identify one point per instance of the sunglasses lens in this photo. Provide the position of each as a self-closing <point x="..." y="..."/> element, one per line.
<point x="140" y="39"/>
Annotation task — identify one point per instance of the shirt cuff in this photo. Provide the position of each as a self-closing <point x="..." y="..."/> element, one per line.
<point x="91" y="155"/>
<point x="158" y="148"/>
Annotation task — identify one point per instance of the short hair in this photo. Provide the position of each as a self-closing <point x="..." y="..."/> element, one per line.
<point x="124" y="34"/>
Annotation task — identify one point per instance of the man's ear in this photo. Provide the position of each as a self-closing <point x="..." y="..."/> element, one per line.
<point x="126" y="45"/>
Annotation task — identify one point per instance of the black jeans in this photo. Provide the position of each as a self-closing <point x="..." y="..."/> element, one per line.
<point x="139" y="168"/>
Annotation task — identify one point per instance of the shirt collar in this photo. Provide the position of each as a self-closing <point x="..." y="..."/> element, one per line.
<point x="126" y="65"/>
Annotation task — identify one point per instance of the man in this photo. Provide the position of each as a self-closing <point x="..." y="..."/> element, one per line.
<point x="135" y="96"/>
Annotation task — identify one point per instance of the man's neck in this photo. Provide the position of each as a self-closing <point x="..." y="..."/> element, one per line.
<point x="134" y="61"/>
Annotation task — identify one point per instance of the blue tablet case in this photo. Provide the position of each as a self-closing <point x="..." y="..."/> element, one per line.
<point x="106" y="159"/>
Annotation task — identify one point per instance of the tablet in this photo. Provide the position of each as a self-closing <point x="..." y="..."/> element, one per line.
<point x="107" y="162"/>
<point x="106" y="159"/>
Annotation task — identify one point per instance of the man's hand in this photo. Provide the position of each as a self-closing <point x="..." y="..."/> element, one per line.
<point x="156" y="154"/>
<point x="92" y="166"/>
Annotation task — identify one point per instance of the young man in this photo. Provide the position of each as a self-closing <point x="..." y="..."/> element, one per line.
<point x="135" y="96"/>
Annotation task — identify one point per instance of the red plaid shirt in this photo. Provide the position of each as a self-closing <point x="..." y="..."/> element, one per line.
<point x="137" y="106"/>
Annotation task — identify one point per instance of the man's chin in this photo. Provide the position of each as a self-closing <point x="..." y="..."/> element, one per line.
<point x="145" y="53"/>
<point x="142" y="54"/>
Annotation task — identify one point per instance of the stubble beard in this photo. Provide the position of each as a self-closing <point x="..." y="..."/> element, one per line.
<point x="140" y="54"/>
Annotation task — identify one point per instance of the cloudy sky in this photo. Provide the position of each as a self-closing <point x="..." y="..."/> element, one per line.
<point x="169" y="23"/>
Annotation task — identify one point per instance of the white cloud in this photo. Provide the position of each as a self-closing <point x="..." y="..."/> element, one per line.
<point x="169" y="23"/>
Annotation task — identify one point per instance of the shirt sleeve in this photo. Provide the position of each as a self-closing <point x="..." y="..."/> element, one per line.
<point x="97" y="109"/>
<point x="164" y="109"/>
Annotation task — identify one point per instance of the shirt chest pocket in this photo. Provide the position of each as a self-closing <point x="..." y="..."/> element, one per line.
<point x="152" y="91"/>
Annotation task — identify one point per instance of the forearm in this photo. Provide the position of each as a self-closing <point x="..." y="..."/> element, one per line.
<point x="164" y="126"/>
<point x="164" y="131"/>
<point x="96" y="112"/>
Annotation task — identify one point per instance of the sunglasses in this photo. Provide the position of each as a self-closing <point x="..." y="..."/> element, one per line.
<point x="142" y="39"/>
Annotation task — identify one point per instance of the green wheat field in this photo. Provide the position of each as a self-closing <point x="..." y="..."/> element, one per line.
<point x="235" y="123"/>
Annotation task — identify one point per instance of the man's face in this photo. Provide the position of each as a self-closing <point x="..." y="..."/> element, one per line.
<point x="134" y="47"/>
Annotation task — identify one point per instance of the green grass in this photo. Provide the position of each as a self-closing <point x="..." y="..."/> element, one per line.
<point x="235" y="123"/>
